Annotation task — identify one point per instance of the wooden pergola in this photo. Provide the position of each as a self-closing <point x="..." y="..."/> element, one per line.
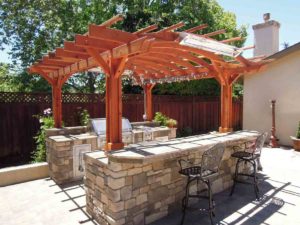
<point x="147" y="57"/>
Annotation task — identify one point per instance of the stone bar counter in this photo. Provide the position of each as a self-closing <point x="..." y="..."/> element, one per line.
<point x="66" y="146"/>
<point x="141" y="184"/>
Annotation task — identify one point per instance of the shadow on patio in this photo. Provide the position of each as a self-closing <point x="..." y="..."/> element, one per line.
<point x="75" y="193"/>
<point x="242" y="208"/>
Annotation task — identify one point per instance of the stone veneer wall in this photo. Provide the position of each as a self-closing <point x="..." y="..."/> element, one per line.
<point x="59" y="144"/>
<point x="140" y="191"/>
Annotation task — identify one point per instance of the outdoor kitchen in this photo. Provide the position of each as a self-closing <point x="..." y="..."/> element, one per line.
<point x="66" y="146"/>
<point x="131" y="170"/>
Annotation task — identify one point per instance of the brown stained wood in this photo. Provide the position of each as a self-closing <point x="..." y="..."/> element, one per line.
<point x="105" y="33"/>
<point x="18" y="109"/>
<point x="165" y="68"/>
<point x="232" y="39"/>
<point x="98" y="44"/>
<point x="146" y="29"/>
<point x="169" y="44"/>
<point x="147" y="71"/>
<point x="170" y="58"/>
<point x="46" y="76"/>
<point x="214" y="33"/>
<point x="172" y="27"/>
<point x="70" y="46"/>
<point x="113" y="20"/>
<point x="100" y="61"/>
<point x="45" y="66"/>
<point x="68" y="54"/>
<point x="115" y="50"/>
<point x="57" y="105"/>
<point x="157" y="72"/>
<point x="182" y="54"/>
<point x="134" y="47"/>
<point x="226" y="109"/>
<point x="120" y="67"/>
<point x="165" y="63"/>
<point x="148" y="101"/>
<point x="197" y="28"/>
<point x="102" y="39"/>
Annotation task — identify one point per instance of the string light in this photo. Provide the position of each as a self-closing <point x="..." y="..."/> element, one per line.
<point x="167" y="79"/>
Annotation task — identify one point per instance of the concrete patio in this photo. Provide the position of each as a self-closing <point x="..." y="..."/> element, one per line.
<point x="43" y="202"/>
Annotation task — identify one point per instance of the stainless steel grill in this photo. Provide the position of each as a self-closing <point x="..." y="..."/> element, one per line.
<point x="139" y="133"/>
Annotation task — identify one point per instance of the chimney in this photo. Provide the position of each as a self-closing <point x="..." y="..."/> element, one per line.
<point x="266" y="36"/>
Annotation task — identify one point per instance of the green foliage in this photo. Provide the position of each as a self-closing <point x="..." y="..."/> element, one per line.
<point x="161" y="118"/>
<point x="186" y="131"/>
<point x="84" y="117"/>
<point x="46" y="121"/>
<point x="206" y="87"/>
<point x="298" y="132"/>
<point x="32" y="28"/>
<point x="171" y="123"/>
<point x="164" y="120"/>
<point x="6" y="79"/>
<point x="238" y="90"/>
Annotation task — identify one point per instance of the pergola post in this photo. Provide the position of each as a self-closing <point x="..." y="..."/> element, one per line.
<point x="114" y="106"/>
<point x="57" y="105"/>
<point x="226" y="108"/>
<point x="148" y="105"/>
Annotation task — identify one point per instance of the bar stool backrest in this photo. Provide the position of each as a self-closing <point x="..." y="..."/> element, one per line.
<point x="211" y="158"/>
<point x="259" y="143"/>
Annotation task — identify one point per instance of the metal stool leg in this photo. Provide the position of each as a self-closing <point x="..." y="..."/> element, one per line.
<point x="235" y="176"/>
<point x="185" y="200"/>
<point x="210" y="203"/>
<point x="255" y="183"/>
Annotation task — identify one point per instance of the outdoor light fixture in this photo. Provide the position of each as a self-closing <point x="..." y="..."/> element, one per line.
<point x="206" y="44"/>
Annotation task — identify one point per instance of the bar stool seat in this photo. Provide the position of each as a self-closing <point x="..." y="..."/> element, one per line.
<point x="244" y="155"/>
<point x="208" y="168"/>
<point x="250" y="154"/>
<point x="196" y="171"/>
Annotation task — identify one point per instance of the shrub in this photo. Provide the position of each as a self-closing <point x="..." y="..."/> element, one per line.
<point x="186" y="131"/>
<point x="171" y="123"/>
<point x="46" y="121"/>
<point x="84" y="117"/>
<point x="161" y="118"/>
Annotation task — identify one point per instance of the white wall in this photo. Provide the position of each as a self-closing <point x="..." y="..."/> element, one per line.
<point x="279" y="81"/>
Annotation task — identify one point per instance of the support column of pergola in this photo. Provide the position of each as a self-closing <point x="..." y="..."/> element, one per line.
<point x="113" y="69"/>
<point x="148" y="105"/>
<point x="57" y="105"/>
<point x="226" y="108"/>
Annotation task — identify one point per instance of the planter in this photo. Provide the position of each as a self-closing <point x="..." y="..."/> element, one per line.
<point x="296" y="143"/>
<point x="172" y="133"/>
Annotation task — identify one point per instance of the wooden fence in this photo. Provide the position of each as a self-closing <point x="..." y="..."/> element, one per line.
<point x="18" y="126"/>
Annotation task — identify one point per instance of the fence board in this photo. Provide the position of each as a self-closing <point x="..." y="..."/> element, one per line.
<point x="18" y="126"/>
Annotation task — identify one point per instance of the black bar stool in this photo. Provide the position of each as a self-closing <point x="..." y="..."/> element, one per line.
<point x="249" y="154"/>
<point x="208" y="168"/>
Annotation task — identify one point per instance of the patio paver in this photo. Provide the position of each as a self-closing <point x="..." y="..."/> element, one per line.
<point x="43" y="202"/>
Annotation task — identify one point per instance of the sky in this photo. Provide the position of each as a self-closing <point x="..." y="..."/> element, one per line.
<point x="250" y="12"/>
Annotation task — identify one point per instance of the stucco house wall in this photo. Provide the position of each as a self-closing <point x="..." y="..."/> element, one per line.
<point x="279" y="81"/>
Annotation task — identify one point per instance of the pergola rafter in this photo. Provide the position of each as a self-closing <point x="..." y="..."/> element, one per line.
<point x="151" y="56"/>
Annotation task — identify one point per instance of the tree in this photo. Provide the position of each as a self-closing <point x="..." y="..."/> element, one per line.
<point x="32" y="28"/>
